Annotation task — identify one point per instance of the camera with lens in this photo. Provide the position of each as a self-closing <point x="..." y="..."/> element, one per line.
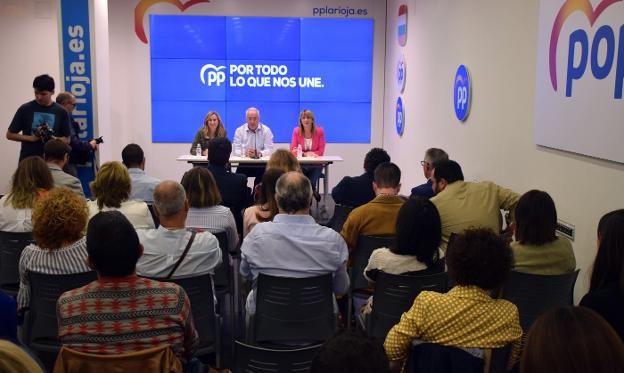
<point x="44" y="131"/>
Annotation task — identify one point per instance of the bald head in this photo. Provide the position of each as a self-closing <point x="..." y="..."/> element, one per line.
<point x="66" y="100"/>
<point x="169" y="198"/>
<point x="293" y="193"/>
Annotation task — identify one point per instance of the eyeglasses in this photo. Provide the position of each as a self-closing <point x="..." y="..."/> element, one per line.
<point x="422" y="163"/>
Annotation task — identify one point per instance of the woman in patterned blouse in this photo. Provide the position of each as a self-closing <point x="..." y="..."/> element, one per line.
<point x="467" y="316"/>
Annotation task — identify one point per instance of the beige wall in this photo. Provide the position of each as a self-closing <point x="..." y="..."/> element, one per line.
<point x="497" y="40"/>
<point x="30" y="47"/>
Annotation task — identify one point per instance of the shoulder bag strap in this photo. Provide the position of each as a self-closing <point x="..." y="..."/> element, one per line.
<point x="186" y="249"/>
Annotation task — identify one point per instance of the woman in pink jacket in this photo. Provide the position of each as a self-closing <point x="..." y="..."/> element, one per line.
<point x="311" y="138"/>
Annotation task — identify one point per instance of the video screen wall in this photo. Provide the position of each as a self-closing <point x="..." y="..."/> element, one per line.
<point x="278" y="65"/>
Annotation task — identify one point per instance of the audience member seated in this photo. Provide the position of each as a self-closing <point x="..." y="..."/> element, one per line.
<point x="121" y="312"/>
<point x="266" y="208"/>
<point x="606" y="287"/>
<point x="14" y="359"/>
<point x="59" y="221"/>
<point x="30" y="181"/>
<point x="467" y="316"/>
<point x="142" y="184"/>
<point x="165" y="246"/>
<point x="293" y="245"/>
<point x="432" y="156"/>
<point x="355" y="191"/>
<point x="111" y="188"/>
<point x="537" y="249"/>
<point x="351" y="352"/>
<point x="464" y="205"/>
<point x="282" y="159"/>
<point x="233" y="188"/>
<point x="205" y="211"/>
<point x="56" y="155"/>
<point x="377" y="217"/>
<point x="572" y="340"/>
<point x="416" y="249"/>
<point x="8" y="317"/>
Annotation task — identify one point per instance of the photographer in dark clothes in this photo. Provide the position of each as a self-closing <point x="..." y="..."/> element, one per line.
<point x="81" y="150"/>
<point x="39" y="120"/>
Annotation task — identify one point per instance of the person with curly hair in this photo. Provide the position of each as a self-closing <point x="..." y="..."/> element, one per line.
<point x="31" y="180"/>
<point x="467" y="316"/>
<point x="111" y="188"/>
<point x="59" y="222"/>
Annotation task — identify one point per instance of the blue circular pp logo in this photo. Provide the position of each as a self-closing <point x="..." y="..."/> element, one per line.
<point x="461" y="93"/>
<point x="400" y="117"/>
<point x="400" y="74"/>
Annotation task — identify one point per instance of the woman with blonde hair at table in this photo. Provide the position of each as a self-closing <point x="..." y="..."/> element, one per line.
<point x="213" y="127"/>
<point x="311" y="139"/>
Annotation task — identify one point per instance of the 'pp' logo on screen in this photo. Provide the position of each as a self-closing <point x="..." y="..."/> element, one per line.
<point x="211" y="74"/>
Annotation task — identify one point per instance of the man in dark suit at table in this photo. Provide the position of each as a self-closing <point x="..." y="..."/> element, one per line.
<point x="355" y="191"/>
<point x="235" y="193"/>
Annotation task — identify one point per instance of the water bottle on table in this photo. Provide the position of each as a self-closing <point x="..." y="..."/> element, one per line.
<point x="299" y="151"/>
<point x="198" y="150"/>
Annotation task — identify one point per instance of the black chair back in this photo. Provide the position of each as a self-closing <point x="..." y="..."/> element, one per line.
<point x="254" y="359"/>
<point x="435" y="358"/>
<point x="536" y="294"/>
<point x="11" y="246"/>
<point x="150" y="207"/>
<point x="359" y="260"/>
<point x="341" y="212"/>
<point x="394" y="295"/>
<point x="294" y="309"/>
<point x="223" y="273"/>
<point x="41" y="329"/>
<point x="201" y="295"/>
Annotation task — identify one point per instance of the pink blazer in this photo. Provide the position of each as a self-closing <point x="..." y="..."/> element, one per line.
<point x="318" y="140"/>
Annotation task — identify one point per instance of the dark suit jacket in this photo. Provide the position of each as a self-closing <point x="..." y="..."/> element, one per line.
<point x="354" y="190"/>
<point x="235" y="193"/>
<point x="423" y="190"/>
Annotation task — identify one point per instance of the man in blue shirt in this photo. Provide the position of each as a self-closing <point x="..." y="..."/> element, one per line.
<point x="293" y="244"/>
<point x="142" y="185"/>
<point x="355" y="191"/>
<point x="432" y="156"/>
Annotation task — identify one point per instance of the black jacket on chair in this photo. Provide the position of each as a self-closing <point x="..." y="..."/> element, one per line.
<point x="235" y="193"/>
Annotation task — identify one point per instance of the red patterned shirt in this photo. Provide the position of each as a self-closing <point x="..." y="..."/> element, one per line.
<point x="115" y="316"/>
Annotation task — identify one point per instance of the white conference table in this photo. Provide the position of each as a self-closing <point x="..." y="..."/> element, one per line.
<point x="325" y="161"/>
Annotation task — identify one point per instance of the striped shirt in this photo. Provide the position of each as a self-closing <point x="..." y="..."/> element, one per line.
<point x="126" y="314"/>
<point x="66" y="260"/>
<point x="214" y="219"/>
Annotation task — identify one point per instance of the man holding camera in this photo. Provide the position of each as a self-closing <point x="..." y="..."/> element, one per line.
<point x="39" y="120"/>
<point x="80" y="150"/>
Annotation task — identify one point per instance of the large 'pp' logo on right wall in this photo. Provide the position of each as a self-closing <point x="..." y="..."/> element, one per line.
<point x="589" y="53"/>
